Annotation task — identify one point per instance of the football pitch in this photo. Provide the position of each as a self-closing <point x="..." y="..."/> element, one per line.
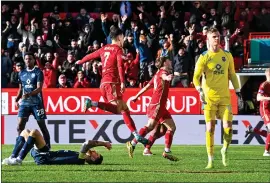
<point x="246" y="164"/>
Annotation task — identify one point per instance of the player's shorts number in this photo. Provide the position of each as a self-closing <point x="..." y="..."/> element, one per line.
<point x="40" y="112"/>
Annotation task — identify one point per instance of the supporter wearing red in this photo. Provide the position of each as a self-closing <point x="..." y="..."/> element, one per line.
<point x="49" y="71"/>
<point x="62" y="82"/>
<point x="132" y="69"/>
<point x="181" y="68"/>
<point x="113" y="81"/>
<point x="81" y="81"/>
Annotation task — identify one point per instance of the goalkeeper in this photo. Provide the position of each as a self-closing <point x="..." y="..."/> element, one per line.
<point x="217" y="67"/>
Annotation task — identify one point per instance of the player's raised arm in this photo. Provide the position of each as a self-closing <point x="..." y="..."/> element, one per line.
<point x="199" y="68"/>
<point x="232" y="74"/>
<point x="90" y="57"/>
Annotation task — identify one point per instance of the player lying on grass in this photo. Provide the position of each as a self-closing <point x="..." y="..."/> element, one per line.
<point x="264" y="97"/>
<point x="43" y="156"/>
<point x="156" y="111"/>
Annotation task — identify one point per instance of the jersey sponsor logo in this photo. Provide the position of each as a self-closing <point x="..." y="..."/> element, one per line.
<point x="223" y="59"/>
<point x="29" y="85"/>
<point x="218" y="70"/>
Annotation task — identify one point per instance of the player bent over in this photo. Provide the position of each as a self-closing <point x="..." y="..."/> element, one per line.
<point x="156" y="111"/>
<point x="30" y="91"/>
<point x="217" y="67"/>
<point x="43" y="156"/>
<point x="112" y="84"/>
<point x="264" y="97"/>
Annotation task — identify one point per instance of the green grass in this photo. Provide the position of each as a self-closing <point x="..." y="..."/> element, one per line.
<point x="246" y="165"/>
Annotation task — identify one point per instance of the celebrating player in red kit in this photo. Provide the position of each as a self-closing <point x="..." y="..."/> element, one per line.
<point x="112" y="84"/>
<point x="157" y="112"/>
<point x="264" y="97"/>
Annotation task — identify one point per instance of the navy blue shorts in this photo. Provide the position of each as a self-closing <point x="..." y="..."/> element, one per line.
<point x="37" y="111"/>
<point x="62" y="157"/>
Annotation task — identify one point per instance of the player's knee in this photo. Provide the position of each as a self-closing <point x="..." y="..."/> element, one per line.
<point x="34" y="133"/>
<point x="25" y="132"/>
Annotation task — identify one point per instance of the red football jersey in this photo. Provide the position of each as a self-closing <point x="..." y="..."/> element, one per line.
<point x="265" y="91"/>
<point x="161" y="88"/>
<point x="112" y="63"/>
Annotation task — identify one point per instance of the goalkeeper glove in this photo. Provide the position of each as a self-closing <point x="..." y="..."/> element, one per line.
<point x="240" y="100"/>
<point x="202" y="96"/>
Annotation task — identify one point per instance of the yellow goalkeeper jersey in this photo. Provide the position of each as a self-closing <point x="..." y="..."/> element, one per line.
<point x="217" y="68"/>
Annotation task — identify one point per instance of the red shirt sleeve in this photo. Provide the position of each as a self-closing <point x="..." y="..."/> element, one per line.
<point x="91" y="56"/>
<point x="120" y="65"/>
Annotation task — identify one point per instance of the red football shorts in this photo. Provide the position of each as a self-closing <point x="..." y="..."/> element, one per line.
<point x="158" y="113"/>
<point x="111" y="92"/>
<point x="265" y="114"/>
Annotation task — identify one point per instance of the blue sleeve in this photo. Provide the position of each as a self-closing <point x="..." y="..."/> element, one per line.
<point x="136" y="40"/>
<point x="40" y="76"/>
<point x="104" y="28"/>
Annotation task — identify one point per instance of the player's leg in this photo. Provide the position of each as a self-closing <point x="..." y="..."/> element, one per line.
<point x="23" y="116"/>
<point x="225" y="112"/>
<point x="143" y="132"/>
<point x="209" y="134"/>
<point x="170" y="125"/>
<point x="159" y="131"/>
<point x="267" y="141"/>
<point x="40" y="115"/>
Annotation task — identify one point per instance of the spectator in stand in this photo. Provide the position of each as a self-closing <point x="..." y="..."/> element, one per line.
<point x="14" y="78"/>
<point x="62" y="82"/>
<point x="39" y="47"/>
<point x="129" y="46"/>
<point x="166" y="50"/>
<point x="105" y="24"/>
<point x="81" y="81"/>
<point x="6" y="68"/>
<point x="152" y="40"/>
<point x="227" y="18"/>
<point x="181" y="68"/>
<point x="262" y="21"/>
<point x="18" y="56"/>
<point x="69" y="68"/>
<point x="28" y="33"/>
<point x="132" y="69"/>
<point x="82" y="18"/>
<point x="94" y="74"/>
<point x="86" y="38"/>
<point x="200" y="49"/>
<point x="214" y="18"/>
<point x="93" y="48"/>
<point x="49" y="71"/>
<point x="35" y="13"/>
<point x="74" y="48"/>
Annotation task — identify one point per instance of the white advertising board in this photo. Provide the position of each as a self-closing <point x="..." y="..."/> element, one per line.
<point x="69" y="129"/>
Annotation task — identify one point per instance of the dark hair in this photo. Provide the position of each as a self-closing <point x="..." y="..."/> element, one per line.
<point x="97" y="161"/>
<point x="29" y="53"/>
<point x="160" y="62"/>
<point x="114" y="32"/>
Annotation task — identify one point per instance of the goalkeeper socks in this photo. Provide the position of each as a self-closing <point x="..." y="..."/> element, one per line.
<point x="227" y="138"/>
<point x="28" y="145"/>
<point x="210" y="145"/>
<point x="19" y="144"/>
<point x="129" y="121"/>
<point x="267" y="143"/>
<point x="168" y="139"/>
<point x="108" y="107"/>
<point x="260" y="132"/>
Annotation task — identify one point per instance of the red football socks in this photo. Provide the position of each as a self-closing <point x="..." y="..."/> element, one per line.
<point x="108" y="107"/>
<point x="168" y="139"/>
<point x="260" y="132"/>
<point x="129" y="121"/>
<point x="143" y="131"/>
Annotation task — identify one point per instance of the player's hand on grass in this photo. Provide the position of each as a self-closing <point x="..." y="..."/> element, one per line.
<point x="108" y="145"/>
<point x="123" y="87"/>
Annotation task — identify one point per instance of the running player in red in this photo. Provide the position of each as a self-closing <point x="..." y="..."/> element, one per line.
<point x="157" y="112"/>
<point x="264" y="97"/>
<point x="112" y="84"/>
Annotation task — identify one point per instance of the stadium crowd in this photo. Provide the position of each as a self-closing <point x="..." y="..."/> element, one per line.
<point x="59" y="37"/>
